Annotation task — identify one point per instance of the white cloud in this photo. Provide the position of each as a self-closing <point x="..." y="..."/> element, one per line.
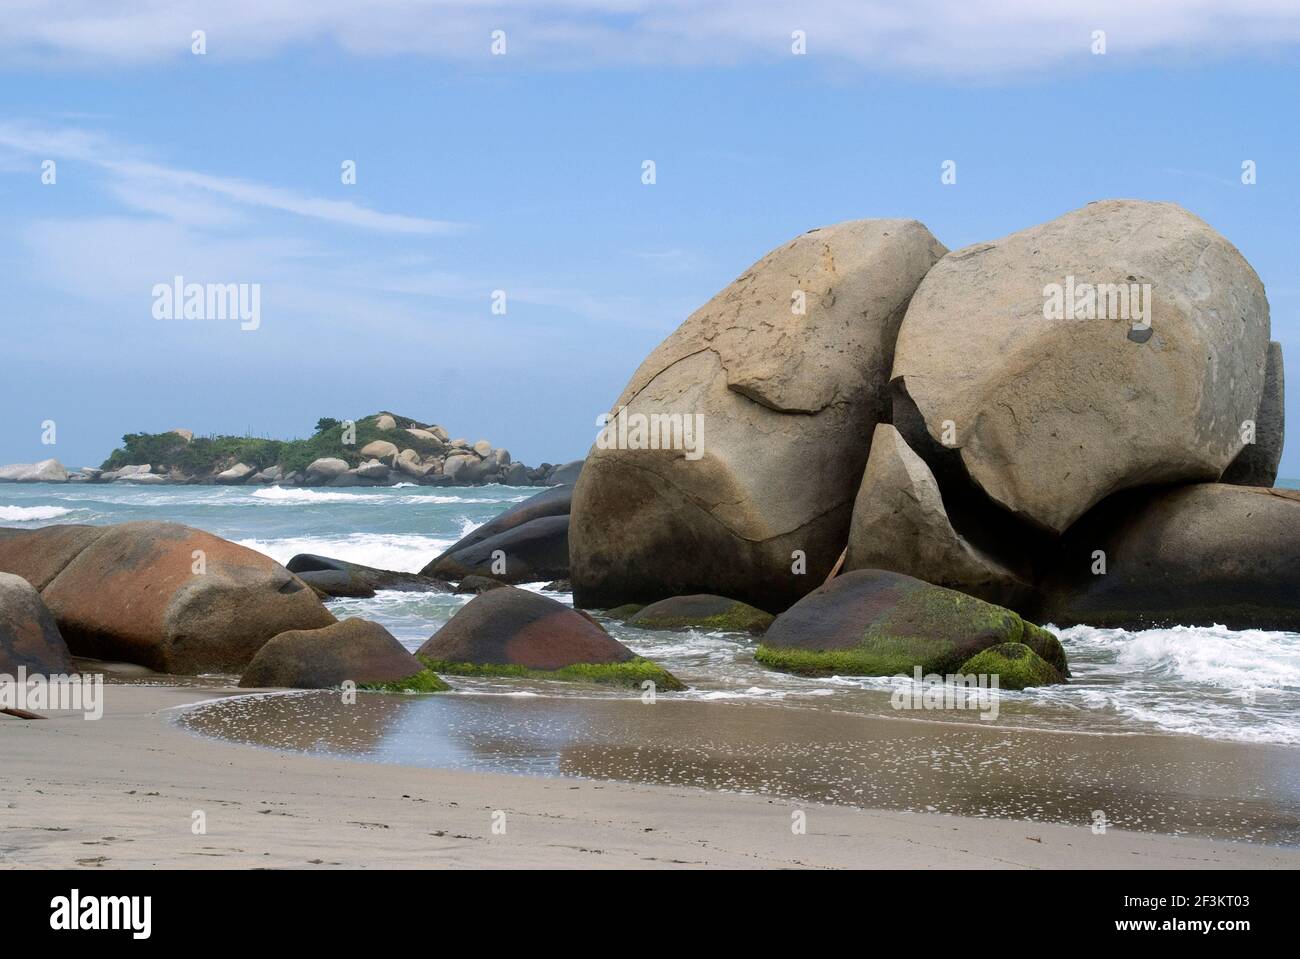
<point x="158" y="188"/>
<point x="952" y="37"/>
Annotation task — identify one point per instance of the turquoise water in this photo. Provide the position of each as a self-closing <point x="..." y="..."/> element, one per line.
<point x="1241" y="685"/>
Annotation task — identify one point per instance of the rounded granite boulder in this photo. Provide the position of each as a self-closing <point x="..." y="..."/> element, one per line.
<point x="702" y="611"/>
<point x="29" y="636"/>
<point x="872" y="622"/>
<point x="355" y="650"/>
<point x="514" y="632"/>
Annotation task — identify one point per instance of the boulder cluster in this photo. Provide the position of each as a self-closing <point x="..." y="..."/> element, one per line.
<point x="181" y="601"/>
<point x="1080" y="422"/>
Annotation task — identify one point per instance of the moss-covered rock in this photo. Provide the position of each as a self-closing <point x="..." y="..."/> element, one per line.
<point x="1016" y="666"/>
<point x="631" y="673"/>
<point x="514" y="632"/>
<point x="879" y="623"/>
<point x="425" y="681"/>
<point x="702" y="611"/>
<point x="626" y="611"/>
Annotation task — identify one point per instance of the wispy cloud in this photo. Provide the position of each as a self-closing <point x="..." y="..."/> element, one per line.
<point x="157" y="188"/>
<point x="951" y="37"/>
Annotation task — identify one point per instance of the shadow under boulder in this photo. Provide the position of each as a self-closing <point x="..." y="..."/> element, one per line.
<point x="1195" y="555"/>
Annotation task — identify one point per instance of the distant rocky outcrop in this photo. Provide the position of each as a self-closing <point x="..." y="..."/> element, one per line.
<point x="383" y="449"/>
<point x="46" y="471"/>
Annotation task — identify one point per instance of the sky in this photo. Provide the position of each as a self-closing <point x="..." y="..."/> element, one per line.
<point x="522" y="171"/>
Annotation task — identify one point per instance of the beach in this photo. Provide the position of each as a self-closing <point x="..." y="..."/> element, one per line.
<point x="123" y="791"/>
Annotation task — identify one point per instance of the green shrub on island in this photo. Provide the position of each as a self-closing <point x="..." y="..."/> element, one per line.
<point x="205" y="455"/>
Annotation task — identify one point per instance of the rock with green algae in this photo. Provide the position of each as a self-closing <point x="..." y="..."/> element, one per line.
<point x="626" y="611"/>
<point x="702" y="611"/>
<point x="873" y="622"/>
<point x="514" y="632"/>
<point x="1016" y="666"/>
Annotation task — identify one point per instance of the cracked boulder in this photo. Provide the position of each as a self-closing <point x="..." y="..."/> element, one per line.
<point x="731" y="459"/>
<point x="900" y="524"/>
<point x="1036" y="359"/>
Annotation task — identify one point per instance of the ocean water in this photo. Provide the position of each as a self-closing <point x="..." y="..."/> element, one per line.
<point x="1207" y="682"/>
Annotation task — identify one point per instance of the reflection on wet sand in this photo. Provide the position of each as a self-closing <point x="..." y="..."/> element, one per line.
<point x="1167" y="784"/>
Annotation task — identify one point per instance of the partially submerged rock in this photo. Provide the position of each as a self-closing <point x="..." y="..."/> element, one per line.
<point x="1016" y="666"/>
<point x="878" y="623"/>
<point x="786" y="371"/>
<point x="702" y="611"/>
<point x="532" y="552"/>
<point x="514" y="632"/>
<point x="355" y="650"/>
<point x="1195" y="555"/>
<point x="338" y="577"/>
<point x="46" y="471"/>
<point x="29" y="636"/>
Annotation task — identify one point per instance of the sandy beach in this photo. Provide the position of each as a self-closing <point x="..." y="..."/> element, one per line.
<point x="123" y="792"/>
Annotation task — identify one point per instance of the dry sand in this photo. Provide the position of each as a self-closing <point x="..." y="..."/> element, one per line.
<point x="122" y="792"/>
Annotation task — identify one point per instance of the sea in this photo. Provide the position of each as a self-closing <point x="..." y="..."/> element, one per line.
<point x="1204" y="681"/>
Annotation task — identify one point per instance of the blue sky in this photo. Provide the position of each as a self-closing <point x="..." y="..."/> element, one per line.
<point x="523" y="173"/>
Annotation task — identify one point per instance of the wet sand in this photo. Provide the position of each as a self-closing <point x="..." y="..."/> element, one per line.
<point x="123" y="791"/>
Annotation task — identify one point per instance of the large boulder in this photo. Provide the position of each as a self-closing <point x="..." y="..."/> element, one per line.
<point x="385" y="421"/>
<point x="46" y="471"/>
<point x="29" y="636"/>
<point x="514" y="632"/>
<point x="1050" y="413"/>
<point x="876" y="623"/>
<point x="235" y="475"/>
<point x="900" y="523"/>
<point x="702" y="611"/>
<point x="1257" y="464"/>
<point x="355" y="650"/>
<point x="338" y="577"/>
<point x="379" y="449"/>
<point x="325" y="469"/>
<point x="565" y="474"/>
<point x="169" y="597"/>
<point x="1195" y="555"/>
<point x="781" y="377"/>
<point x="532" y="552"/>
